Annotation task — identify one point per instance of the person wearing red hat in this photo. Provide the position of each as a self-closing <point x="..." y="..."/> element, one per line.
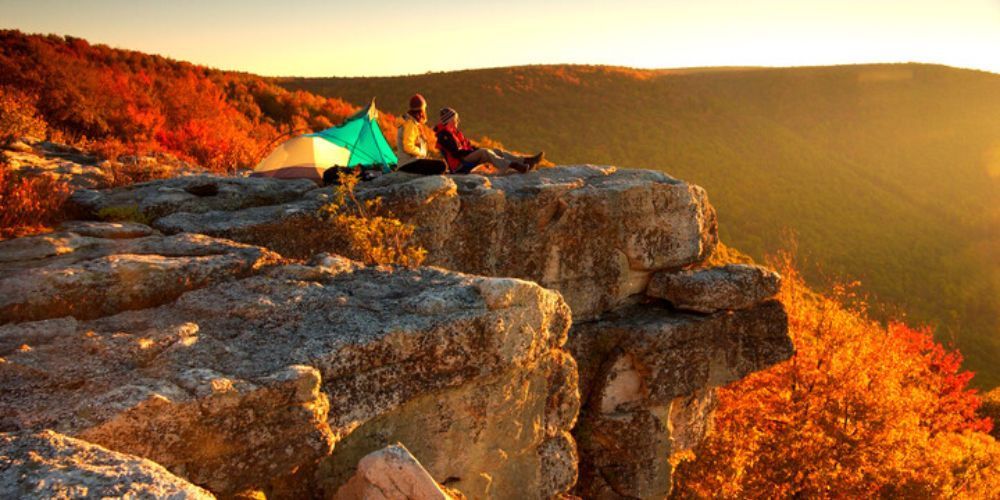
<point x="411" y="147"/>
<point x="461" y="156"/>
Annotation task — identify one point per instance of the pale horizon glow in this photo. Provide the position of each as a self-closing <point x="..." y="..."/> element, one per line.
<point x="359" y="38"/>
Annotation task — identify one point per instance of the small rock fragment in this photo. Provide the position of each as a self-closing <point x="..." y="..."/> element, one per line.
<point x="391" y="473"/>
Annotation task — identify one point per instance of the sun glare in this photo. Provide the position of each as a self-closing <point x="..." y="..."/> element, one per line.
<point x="313" y="38"/>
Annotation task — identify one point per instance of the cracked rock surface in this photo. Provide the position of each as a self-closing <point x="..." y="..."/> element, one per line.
<point x="247" y="384"/>
<point x="646" y="380"/>
<point x="46" y="464"/>
<point x="78" y="273"/>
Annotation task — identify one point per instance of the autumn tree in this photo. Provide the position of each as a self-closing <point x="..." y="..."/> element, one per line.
<point x="18" y="117"/>
<point x="861" y="410"/>
<point x="29" y="204"/>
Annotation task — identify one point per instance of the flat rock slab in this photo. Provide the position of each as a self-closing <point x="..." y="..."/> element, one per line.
<point x="190" y="193"/>
<point x="109" y="230"/>
<point x="72" y="274"/>
<point x="240" y="384"/>
<point x="46" y="465"/>
<point x="707" y="290"/>
<point x="595" y="234"/>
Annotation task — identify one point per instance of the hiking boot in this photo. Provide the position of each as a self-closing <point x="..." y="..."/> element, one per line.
<point x="520" y="167"/>
<point x="533" y="161"/>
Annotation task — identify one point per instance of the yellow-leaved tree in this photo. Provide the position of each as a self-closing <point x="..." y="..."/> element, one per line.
<point x="860" y="410"/>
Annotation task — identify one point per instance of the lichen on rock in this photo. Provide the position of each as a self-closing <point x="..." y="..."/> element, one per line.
<point x="707" y="290"/>
<point x="242" y="384"/>
<point x="46" y="464"/>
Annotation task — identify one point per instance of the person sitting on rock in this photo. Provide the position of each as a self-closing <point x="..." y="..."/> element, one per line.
<point x="411" y="147"/>
<point x="461" y="156"/>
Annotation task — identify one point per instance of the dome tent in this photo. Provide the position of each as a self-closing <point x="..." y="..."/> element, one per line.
<point x="357" y="142"/>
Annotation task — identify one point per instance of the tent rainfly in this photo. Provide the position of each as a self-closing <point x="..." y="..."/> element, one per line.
<point x="357" y="142"/>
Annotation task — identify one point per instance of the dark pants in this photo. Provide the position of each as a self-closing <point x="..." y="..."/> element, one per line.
<point x="425" y="166"/>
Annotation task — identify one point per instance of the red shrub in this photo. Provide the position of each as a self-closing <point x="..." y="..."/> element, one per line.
<point x="29" y="204"/>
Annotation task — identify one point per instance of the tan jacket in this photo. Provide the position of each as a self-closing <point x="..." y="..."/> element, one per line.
<point x="410" y="143"/>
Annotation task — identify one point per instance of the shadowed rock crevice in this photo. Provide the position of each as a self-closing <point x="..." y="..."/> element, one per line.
<point x="646" y="379"/>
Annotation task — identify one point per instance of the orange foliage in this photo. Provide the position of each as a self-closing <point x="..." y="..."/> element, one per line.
<point x="29" y="204"/>
<point x="128" y="102"/>
<point x="861" y="410"/>
<point x="18" y="117"/>
<point x="373" y="234"/>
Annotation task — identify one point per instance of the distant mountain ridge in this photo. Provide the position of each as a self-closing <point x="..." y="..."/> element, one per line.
<point x="886" y="173"/>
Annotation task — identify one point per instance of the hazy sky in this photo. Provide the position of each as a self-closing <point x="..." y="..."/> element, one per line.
<point x="370" y="37"/>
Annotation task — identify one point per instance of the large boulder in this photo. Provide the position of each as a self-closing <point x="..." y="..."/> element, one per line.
<point x="46" y="465"/>
<point x="646" y="380"/>
<point x="595" y="234"/>
<point x="247" y="384"/>
<point x="98" y="269"/>
<point x="707" y="290"/>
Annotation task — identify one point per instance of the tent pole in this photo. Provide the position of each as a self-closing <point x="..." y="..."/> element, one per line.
<point x="385" y="165"/>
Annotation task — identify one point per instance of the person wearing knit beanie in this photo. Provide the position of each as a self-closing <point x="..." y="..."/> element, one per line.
<point x="448" y="115"/>
<point x="411" y="146"/>
<point x="418" y="108"/>
<point x="418" y="102"/>
<point x="461" y="156"/>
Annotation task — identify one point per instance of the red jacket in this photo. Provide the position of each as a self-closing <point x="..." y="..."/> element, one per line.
<point x="452" y="144"/>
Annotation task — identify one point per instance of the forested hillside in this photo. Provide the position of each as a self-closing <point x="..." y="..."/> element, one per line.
<point x="113" y="101"/>
<point x="887" y="174"/>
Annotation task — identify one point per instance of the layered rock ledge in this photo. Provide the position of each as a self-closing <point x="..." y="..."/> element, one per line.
<point x="282" y="380"/>
<point x="74" y="273"/>
<point x="595" y="234"/>
<point x="646" y="380"/>
<point x="470" y="373"/>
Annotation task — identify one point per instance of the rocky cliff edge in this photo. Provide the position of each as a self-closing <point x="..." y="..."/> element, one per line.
<point x="187" y="343"/>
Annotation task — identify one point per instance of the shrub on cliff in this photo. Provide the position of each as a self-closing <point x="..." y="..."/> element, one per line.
<point x="18" y="117"/>
<point x="360" y="230"/>
<point x="29" y="204"/>
<point x="860" y="410"/>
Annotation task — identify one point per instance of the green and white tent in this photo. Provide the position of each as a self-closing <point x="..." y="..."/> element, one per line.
<point x="356" y="143"/>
